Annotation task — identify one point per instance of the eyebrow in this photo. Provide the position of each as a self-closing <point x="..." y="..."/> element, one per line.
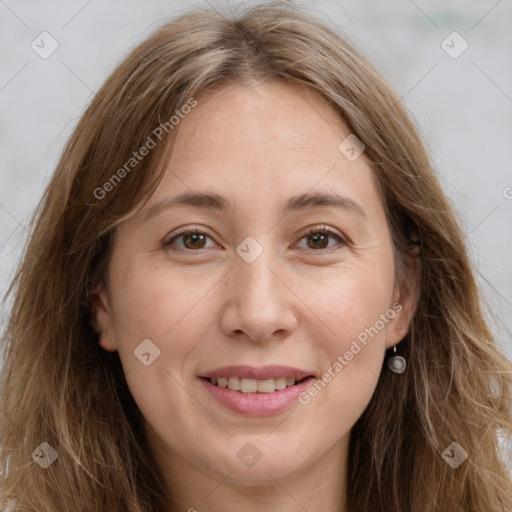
<point x="213" y="201"/>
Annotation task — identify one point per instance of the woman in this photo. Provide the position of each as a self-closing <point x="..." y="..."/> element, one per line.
<point x="184" y="336"/>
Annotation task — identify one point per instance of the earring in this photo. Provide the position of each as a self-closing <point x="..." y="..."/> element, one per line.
<point x="396" y="363"/>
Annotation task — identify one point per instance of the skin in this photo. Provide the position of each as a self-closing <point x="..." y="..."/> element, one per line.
<point x="295" y="305"/>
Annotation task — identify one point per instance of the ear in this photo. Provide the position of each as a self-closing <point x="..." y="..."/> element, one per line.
<point x="102" y="320"/>
<point x="405" y="293"/>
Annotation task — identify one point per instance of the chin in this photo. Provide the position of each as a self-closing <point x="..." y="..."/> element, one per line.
<point x="259" y="472"/>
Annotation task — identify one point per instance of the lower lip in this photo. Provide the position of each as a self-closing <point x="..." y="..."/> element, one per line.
<point x="258" y="404"/>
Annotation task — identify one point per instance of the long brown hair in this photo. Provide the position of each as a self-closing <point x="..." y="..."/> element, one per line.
<point x="59" y="387"/>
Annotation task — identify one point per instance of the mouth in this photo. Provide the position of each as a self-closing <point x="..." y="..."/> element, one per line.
<point x="250" y="386"/>
<point x="251" y="391"/>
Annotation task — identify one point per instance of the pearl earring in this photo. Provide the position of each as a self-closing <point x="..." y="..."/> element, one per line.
<point x="396" y="363"/>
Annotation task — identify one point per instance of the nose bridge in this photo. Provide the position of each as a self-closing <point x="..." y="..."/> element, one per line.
<point x="256" y="298"/>
<point x="252" y="271"/>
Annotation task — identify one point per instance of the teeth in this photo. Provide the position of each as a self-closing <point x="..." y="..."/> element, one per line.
<point x="253" y="385"/>
<point x="248" y="385"/>
<point x="234" y="383"/>
<point x="266" y="386"/>
<point x="280" y="382"/>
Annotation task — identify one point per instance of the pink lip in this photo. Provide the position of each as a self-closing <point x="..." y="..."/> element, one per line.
<point x="266" y="372"/>
<point x="257" y="404"/>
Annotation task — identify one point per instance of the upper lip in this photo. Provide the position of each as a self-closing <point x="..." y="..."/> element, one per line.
<point x="262" y="373"/>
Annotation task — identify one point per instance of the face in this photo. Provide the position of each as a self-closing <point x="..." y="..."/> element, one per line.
<point x="271" y="280"/>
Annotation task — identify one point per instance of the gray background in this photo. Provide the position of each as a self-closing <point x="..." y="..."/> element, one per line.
<point x="463" y="105"/>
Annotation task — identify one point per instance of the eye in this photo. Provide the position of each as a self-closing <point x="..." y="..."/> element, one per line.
<point x="318" y="238"/>
<point x="192" y="239"/>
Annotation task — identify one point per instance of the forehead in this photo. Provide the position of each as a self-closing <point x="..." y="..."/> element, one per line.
<point x="286" y="121"/>
<point x="260" y="147"/>
<point x="269" y="132"/>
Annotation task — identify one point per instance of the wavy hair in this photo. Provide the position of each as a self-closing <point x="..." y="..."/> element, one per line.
<point x="58" y="386"/>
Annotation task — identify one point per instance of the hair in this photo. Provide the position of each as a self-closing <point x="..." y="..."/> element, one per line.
<point x="58" y="386"/>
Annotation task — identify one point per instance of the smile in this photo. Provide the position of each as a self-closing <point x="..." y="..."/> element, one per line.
<point x="251" y="386"/>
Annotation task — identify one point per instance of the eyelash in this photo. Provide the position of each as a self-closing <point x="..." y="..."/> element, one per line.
<point x="315" y="230"/>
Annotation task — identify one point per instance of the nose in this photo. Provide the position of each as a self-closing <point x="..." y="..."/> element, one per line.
<point x="259" y="303"/>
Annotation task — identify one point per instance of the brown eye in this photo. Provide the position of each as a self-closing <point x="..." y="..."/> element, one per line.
<point x="191" y="240"/>
<point x="318" y="238"/>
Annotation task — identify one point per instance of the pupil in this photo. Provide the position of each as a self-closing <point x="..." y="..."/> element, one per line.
<point x="193" y="237"/>
<point x="320" y="237"/>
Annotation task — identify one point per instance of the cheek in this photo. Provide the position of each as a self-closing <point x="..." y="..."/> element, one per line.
<point x="153" y="300"/>
<point x="356" y="312"/>
<point x="159" y="306"/>
<point x="352" y="301"/>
